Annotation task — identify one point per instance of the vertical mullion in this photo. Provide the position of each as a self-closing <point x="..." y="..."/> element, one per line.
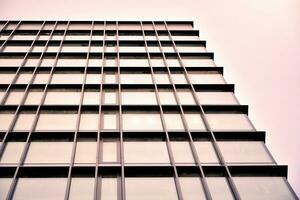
<point x="10" y="35"/>
<point x="97" y="188"/>
<point x="121" y="152"/>
<point x="214" y="142"/>
<point x="191" y="143"/>
<point x="177" y="183"/>
<point x="23" y="98"/>
<point x="26" y="147"/>
<point x="71" y="164"/>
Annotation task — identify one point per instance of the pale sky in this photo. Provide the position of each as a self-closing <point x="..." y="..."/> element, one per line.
<point x="257" y="42"/>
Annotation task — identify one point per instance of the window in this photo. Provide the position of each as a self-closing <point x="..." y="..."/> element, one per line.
<point x="110" y="79"/>
<point x="23" y="78"/>
<point x="109" y="188"/>
<point x="263" y="188"/>
<point x="93" y="62"/>
<point x="34" y="97"/>
<point x="173" y="121"/>
<point x="4" y="186"/>
<point x="82" y="188"/>
<point x="191" y="188"/>
<point x="110" y="96"/>
<point x="193" y="49"/>
<point x="206" y="79"/>
<point x="72" y="62"/>
<point x="141" y="121"/>
<point x="186" y="97"/>
<point x="109" y="151"/>
<point x="138" y="97"/>
<point x="109" y="121"/>
<point x="136" y="79"/>
<point x="134" y="62"/>
<point x="85" y="152"/>
<point x="91" y="97"/>
<point x="14" y="97"/>
<point x="40" y="188"/>
<point x="194" y="121"/>
<point x="229" y="121"/>
<point x="5" y="119"/>
<point x="93" y="79"/>
<point x="62" y="97"/>
<point x="157" y="62"/>
<point x="6" y="78"/>
<point x="172" y="62"/>
<point x="41" y="78"/>
<point x="137" y="152"/>
<point x="110" y="61"/>
<point x="89" y="121"/>
<point x="219" y="188"/>
<point x="179" y="79"/>
<point x="217" y="98"/>
<point x="162" y="78"/>
<point x="56" y="122"/>
<point x="44" y="152"/>
<point x="67" y="79"/>
<point x="182" y="152"/>
<point x="167" y="97"/>
<point x="12" y="152"/>
<point x="150" y="188"/>
<point x="197" y="62"/>
<point x="206" y="152"/>
<point x="9" y="62"/>
<point x="244" y="152"/>
<point x="24" y="121"/>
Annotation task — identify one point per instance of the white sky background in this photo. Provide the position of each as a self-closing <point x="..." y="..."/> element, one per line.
<point x="258" y="43"/>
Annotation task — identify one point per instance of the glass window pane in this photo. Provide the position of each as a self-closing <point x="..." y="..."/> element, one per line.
<point x="191" y="188"/>
<point x="219" y="188"/>
<point x="91" y="97"/>
<point x="4" y="187"/>
<point x="40" y="188"/>
<point x="194" y="121"/>
<point x="86" y="152"/>
<point x="186" y="97"/>
<point x="179" y="79"/>
<point x="167" y="97"/>
<point x="109" y="151"/>
<point x="5" y="119"/>
<point x="89" y="122"/>
<point x="218" y="98"/>
<point x="150" y="188"/>
<point x="141" y="121"/>
<point x="162" y="78"/>
<point x="49" y="152"/>
<point x="34" y="97"/>
<point x="263" y="188"/>
<point x="109" y="188"/>
<point x="173" y="122"/>
<point x="229" y="121"/>
<point x="206" y="152"/>
<point x="56" y="122"/>
<point x="244" y="152"/>
<point x="182" y="152"/>
<point x="109" y="121"/>
<point x="206" y="79"/>
<point x="12" y="152"/>
<point x="136" y="79"/>
<point x="137" y="97"/>
<point x="24" y="122"/>
<point x="110" y="97"/>
<point x="62" y="97"/>
<point x="145" y="152"/>
<point x="67" y="79"/>
<point x="82" y="188"/>
<point x="14" y="97"/>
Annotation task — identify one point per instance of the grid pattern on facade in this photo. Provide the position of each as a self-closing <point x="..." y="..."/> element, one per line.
<point x="124" y="110"/>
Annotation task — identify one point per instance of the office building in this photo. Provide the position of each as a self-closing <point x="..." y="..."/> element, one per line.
<point x="124" y="110"/>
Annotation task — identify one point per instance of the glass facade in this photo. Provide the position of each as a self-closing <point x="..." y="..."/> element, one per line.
<point x="124" y="110"/>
